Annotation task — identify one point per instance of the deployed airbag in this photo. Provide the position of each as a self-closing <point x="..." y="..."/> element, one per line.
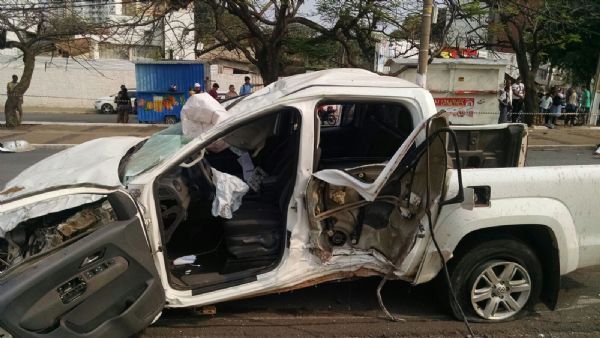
<point x="229" y="193"/>
<point x="200" y="113"/>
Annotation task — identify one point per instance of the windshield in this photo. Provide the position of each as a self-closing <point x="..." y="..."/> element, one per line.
<point x="158" y="148"/>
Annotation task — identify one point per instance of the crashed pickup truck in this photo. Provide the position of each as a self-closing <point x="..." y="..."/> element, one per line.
<point x="260" y="197"/>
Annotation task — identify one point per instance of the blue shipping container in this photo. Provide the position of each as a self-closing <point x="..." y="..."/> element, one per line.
<point x="154" y="103"/>
<point x="158" y="76"/>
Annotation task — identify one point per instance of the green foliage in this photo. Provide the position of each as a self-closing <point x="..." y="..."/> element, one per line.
<point x="304" y="47"/>
<point x="575" y="46"/>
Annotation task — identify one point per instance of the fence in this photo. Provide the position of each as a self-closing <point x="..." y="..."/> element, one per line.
<point x="468" y="117"/>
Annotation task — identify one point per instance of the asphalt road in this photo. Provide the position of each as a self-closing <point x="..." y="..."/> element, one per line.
<point x="345" y="309"/>
<point x="11" y="164"/>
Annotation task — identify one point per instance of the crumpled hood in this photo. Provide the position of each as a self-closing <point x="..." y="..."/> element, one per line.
<point x="95" y="161"/>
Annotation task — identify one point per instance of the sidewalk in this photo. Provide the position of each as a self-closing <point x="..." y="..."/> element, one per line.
<point x="60" y="134"/>
<point x="564" y="136"/>
<point x="75" y="133"/>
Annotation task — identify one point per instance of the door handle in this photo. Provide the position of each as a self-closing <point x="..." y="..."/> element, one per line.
<point x="92" y="258"/>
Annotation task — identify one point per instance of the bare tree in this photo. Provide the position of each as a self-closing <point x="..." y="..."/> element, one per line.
<point x="260" y="28"/>
<point x="34" y="28"/>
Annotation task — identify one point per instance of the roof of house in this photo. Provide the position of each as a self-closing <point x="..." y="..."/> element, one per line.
<point x="439" y="61"/>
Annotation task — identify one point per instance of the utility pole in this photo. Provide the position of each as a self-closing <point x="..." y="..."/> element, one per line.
<point x="424" y="43"/>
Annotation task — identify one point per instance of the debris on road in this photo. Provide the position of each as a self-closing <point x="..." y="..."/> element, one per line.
<point x="16" y="146"/>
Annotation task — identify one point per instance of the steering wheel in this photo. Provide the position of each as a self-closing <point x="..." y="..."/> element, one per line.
<point x="206" y="171"/>
<point x="199" y="163"/>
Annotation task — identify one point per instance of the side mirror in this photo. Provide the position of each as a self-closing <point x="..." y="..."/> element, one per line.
<point x="469" y="199"/>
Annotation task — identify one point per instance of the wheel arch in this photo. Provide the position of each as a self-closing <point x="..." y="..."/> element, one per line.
<point x="532" y="220"/>
<point x="539" y="237"/>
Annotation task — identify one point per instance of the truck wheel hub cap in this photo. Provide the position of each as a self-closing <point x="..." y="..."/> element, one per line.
<point x="501" y="290"/>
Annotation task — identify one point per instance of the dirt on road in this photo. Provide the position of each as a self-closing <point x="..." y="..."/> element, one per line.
<point x="349" y="309"/>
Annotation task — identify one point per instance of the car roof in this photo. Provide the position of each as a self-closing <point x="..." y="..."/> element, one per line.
<point x="299" y="85"/>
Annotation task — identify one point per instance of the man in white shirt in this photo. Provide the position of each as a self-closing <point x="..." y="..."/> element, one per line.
<point x="518" y="91"/>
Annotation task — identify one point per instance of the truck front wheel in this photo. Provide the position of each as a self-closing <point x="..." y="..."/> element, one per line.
<point x="496" y="280"/>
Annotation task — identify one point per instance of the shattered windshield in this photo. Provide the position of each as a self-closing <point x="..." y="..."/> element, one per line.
<point x="158" y="148"/>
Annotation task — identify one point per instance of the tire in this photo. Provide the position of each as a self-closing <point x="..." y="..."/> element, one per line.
<point x="170" y="119"/>
<point x="107" y="108"/>
<point x="484" y="299"/>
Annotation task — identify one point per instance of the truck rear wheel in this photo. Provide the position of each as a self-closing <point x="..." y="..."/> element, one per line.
<point x="496" y="281"/>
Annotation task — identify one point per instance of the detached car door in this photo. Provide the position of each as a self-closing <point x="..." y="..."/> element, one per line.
<point x="77" y="264"/>
<point x="381" y="207"/>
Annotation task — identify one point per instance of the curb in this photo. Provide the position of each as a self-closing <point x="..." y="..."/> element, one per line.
<point x="92" y="124"/>
<point x="560" y="146"/>
<point x="532" y="128"/>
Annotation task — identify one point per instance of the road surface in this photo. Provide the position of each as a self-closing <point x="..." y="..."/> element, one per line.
<point x="350" y="308"/>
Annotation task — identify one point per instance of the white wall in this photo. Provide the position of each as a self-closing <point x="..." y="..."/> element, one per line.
<point x="62" y="83"/>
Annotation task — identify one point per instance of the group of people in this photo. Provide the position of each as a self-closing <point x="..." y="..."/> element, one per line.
<point x="511" y="101"/>
<point x="575" y="105"/>
<point x="214" y="91"/>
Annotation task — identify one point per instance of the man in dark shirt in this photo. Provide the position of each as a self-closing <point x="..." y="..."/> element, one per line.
<point x="123" y="105"/>
<point x="213" y="91"/>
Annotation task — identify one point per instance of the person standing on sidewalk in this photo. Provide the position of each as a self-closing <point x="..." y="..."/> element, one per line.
<point x="555" y="109"/>
<point x="214" y="91"/>
<point x="518" y="91"/>
<point x="197" y="88"/>
<point x="571" y="108"/>
<point x="545" y="105"/>
<point x="13" y="108"/>
<point x="586" y="104"/>
<point x="504" y="103"/>
<point x="123" y="105"/>
<point x="231" y="93"/>
<point x="246" y="88"/>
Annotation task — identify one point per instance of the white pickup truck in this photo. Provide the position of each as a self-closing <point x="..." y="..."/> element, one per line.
<point x="96" y="240"/>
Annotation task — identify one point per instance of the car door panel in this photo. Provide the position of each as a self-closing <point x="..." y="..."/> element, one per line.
<point x="104" y="284"/>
